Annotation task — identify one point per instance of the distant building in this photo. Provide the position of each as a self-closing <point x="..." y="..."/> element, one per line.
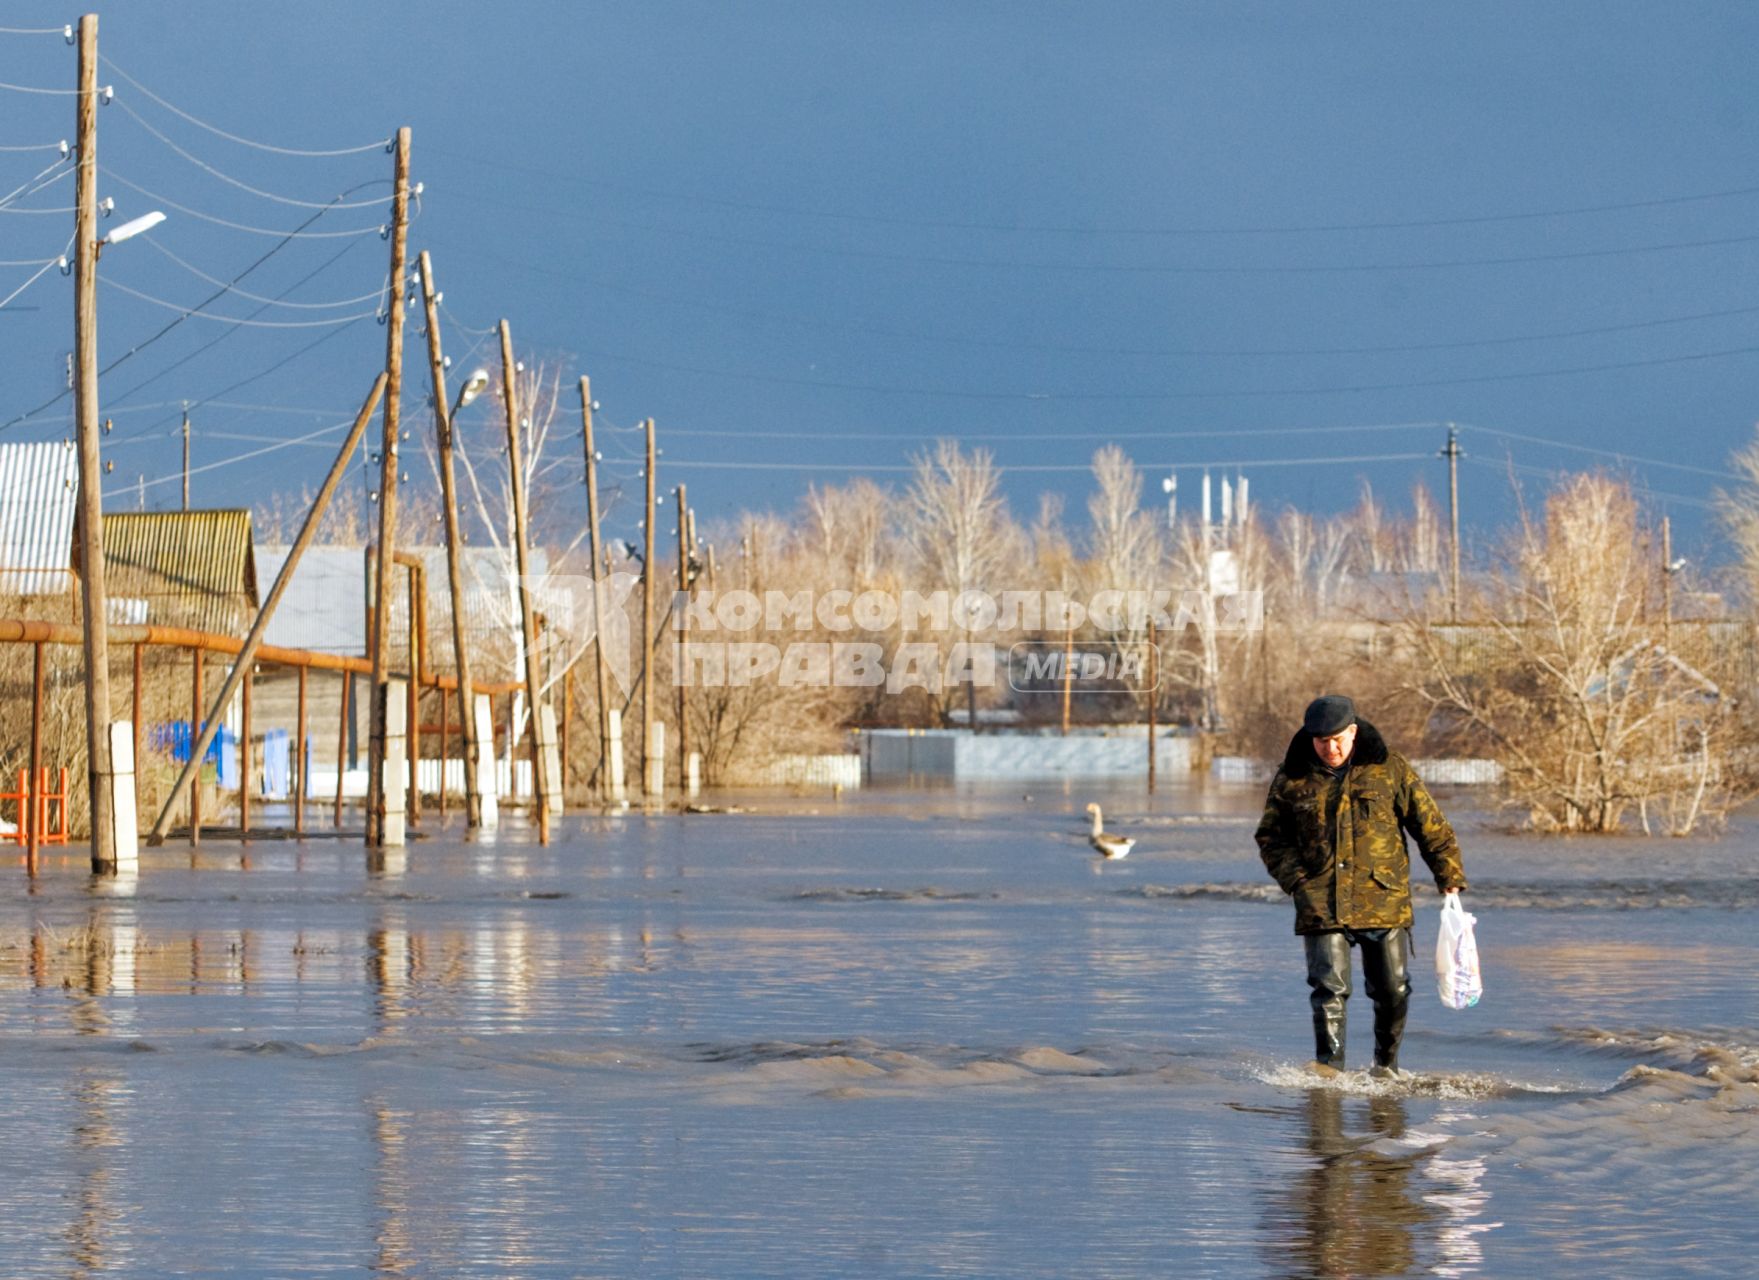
<point x="194" y="569"/>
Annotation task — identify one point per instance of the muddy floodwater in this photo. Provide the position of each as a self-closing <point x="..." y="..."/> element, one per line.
<point x="903" y="1034"/>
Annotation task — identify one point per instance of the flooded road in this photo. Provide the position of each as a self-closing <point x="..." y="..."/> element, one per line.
<point x="910" y="1034"/>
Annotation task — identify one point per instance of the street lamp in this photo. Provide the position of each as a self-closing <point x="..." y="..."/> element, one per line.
<point x="474" y="386"/>
<point x="132" y="228"/>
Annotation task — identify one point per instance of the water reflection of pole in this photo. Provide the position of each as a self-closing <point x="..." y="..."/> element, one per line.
<point x="94" y="1133"/>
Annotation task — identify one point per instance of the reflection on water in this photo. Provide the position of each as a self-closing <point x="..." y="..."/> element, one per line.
<point x="873" y="1043"/>
<point x="1353" y="1211"/>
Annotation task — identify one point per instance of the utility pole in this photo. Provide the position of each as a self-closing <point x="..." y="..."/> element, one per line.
<point x="647" y="614"/>
<point x="598" y="586"/>
<point x="1153" y="697"/>
<point x="186" y="455"/>
<point x="454" y="552"/>
<point x="384" y="585"/>
<point x="100" y="773"/>
<point x="1667" y="570"/>
<point x="540" y="785"/>
<point x="1453" y="454"/>
<point x="683" y="625"/>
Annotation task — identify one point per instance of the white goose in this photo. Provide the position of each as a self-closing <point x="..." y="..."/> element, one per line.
<point x="1109" y="846"/>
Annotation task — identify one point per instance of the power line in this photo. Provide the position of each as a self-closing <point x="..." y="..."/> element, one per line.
<point x="35" y="276"/>
<point x="199" y="274"/>
<point x="380" y="145"/>
<point x="239" y="183"/>
<point x="1053" y="467"/>
<point x="221" y="337"/>
<point x="50" y="93"/>
<point x="1025" y="437"/>
<point x="1591" y="449"/>
<point x="1197" y="269"/>
<point x="227" y="462"/>
<point x="239" y="226"/>
<point x="819" y="324"/>
<point x="259" y="374"/>
<point x="142" y="346"/>
<point x="1100" y="229"/>
<point x="42" y="183"/>
<point x="1551" y="473"/>
<point x="1145" y="396"/>
<point x="197" y="313"/>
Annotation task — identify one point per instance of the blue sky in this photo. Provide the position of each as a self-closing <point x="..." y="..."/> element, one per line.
<point x="810" y="238"/>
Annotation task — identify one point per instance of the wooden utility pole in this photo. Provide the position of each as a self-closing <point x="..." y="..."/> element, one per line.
<point x="201" y="736"/>
<point x="388" y="464"/>
<point x="1667" y="583"/>
<point x="299" y="758"/>
<point x="598" y="587"/>
<point x="647" y="611"/>
<point x="540" y="785"/>
<point x="683" y="630"/>
<point x="186" y="455"/>
<point x="1453" y="454"/>
<point x="30" y="803"/>
<point x="93" y="596"/>
<point x="1153" y="697"/>
<point x="1068" y="675"/>
<point x="454" y="551"/>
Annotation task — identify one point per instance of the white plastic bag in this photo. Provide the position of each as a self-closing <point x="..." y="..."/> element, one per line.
<point x="1456" y="956"/>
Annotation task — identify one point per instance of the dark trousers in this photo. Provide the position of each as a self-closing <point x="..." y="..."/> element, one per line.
<point x="1384" y="956"/>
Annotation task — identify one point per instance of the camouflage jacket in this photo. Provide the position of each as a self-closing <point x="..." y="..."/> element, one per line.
<point x="1337" y="845"/>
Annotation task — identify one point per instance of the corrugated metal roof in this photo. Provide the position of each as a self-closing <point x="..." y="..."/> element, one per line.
<point x="39" y="493"/>
<point x="193" y="568"/>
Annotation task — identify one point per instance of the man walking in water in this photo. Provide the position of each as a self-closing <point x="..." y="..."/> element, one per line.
<point x="1333" y="836"/>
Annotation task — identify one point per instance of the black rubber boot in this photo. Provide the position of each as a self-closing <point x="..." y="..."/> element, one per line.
<point x="1385" y="978"/>
<point x="1328" y="976"/>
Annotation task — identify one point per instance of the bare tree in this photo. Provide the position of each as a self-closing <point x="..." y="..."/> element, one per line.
<point x="1563" y="677"/>
<point x="959" y="534"/>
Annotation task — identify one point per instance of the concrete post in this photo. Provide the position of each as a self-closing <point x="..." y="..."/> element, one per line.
<point x="549" y="760"/>
<point x="487" y="801"/>
<point x="656" y="762"/>
<point x="394" y="785"/>
<point x="614" y="756"/>
<point x="126" y="833"/>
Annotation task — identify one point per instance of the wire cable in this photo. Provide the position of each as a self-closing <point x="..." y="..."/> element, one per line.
<point x="203" y="165"/>
<point x="40" y="146"/>
<point x="25" y="188"/>
<point x="380" y="145"/>
<point x="178" y="475"/>
<point x="1149" y="396"/>
<point x="1089" y="230"/>
<point x="168" y="328"/>
<point x="197" y="313"/>
<point x="199" y="274"/>
<point x="52" y="93"/>
<point x="819" y="325"/>
<point x="1027" y="437"/>
<point x="1591" y="449"/>
<point x="1144" y="269"/>
<point x="1053" y="467"/>
<point x="35" y="276"/>
<point x="1552" y="473"/>
<point x="225" y="334"/>
<point x="240" y="226"/>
